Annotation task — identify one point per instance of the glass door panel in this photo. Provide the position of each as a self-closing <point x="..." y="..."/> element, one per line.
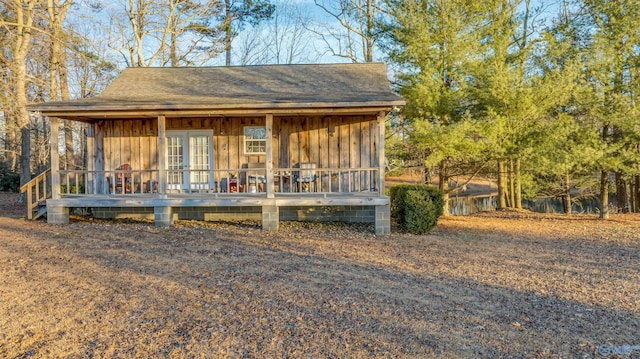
<point x="175" y="162"/>
<point x="189" y="160"/>
<point x="199" y="160"/>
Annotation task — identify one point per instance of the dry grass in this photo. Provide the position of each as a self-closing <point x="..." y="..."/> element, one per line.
<point x="512" y="284"/>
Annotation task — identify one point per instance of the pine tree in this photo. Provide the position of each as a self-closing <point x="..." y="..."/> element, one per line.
<point x="434" y="45"/>
<point x="608" y="87"/>
<point x="507" y="91"/>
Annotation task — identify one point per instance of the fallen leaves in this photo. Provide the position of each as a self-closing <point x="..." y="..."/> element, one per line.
<point x="490" y="285"/>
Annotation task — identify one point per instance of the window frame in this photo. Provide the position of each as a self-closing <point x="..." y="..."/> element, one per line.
<point x="245" y="149"/>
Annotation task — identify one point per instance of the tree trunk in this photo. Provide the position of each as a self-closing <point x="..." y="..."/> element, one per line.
<point x="68" y="125"/>
<point x="68" y="145"/>
<point x="25" y="159"/>
<point x="637" y="193"/>
<point x="502" y="195"/>
<point x="512" y="185"/>
<point x="368" y="56"/>
<point x="518" y="180"/>
<point x="12" y="138"/>
<point x="621" y="193"/>
<point x="604" y="194"/>
<point x="58" y="68"/>
<point x="566" y="199"/>
<point x="228" y="32"/>
<point x="83" y="147"/>
<point x="443" y="186"/>
<point x="173" y="50"/>
<point x="24" y="18"/>
<point x="445" y="204"/>
<point x="632" y="195"/>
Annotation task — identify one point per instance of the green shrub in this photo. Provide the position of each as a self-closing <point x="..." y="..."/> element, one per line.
<point x="9" y="180"/>
<point x="416" y="208"/>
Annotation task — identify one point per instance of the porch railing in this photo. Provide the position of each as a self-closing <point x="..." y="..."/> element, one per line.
<point x="285" y="180"/>
<point x="298" y="180"/>
<point x="37" y="191"/>
<point x="325" y="180"/>
<point x="108" y="182"/>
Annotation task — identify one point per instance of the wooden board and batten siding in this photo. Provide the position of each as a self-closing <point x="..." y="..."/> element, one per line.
<point x="328" y="141"/>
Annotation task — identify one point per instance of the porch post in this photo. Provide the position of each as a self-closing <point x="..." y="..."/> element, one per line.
<point x="91" y="159"/>
<point x="55" y="214"/>
<point x="269" y="155"/>
<point x="95" y="157"/>
<point x="162" y="150"/>
<point x="163" y="216"/>
<point x="270" y="218"/>
<point x="383" y="212"/>
<point x="99" y="156"/>
<point x="382" y="220"/>
<point x="54" y="141"/>
<point x="381" y="140"/>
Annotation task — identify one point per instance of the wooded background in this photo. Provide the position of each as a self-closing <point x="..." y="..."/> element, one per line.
<point x="539" y="96"/>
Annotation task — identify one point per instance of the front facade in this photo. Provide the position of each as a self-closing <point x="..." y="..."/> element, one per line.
<point x="294" y="142"/>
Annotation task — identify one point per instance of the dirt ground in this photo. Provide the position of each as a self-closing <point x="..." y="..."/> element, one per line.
<point x="475" y="187"/>
<point x="496" y="284"/>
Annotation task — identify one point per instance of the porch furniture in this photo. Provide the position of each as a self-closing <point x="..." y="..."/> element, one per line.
<point x="122" y="182"/>
<point x="305" y="178"/>
<point x="281" y="181"/>
<point x="150" y="187"/>
<point x="230" y="185"/>
<point x="256" y="176"/>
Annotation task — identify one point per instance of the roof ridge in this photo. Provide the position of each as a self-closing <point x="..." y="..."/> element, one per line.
<point x="377" y="63"/>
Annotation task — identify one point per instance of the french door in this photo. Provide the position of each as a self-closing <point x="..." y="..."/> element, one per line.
<point x="189" y="160"/>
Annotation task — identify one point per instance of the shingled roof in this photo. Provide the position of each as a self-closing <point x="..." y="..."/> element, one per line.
<point x="237" y="87"/>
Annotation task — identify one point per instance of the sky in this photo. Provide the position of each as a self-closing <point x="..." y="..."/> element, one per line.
<point x="316" y="50"/>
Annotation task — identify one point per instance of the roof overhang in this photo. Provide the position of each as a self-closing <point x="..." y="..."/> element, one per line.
<point x="91" y="111"/>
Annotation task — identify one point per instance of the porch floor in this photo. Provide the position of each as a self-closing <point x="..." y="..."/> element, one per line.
<point x="220" y="199"/>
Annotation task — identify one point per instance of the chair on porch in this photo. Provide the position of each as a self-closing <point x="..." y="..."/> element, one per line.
<point x="230" y="184"/>
<point x="122" y="183"/>
<point x="256" y="177"/>
<point x="305" y="178"/>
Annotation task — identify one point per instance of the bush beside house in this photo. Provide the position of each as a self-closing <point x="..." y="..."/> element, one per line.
<point x="416" y="208"/>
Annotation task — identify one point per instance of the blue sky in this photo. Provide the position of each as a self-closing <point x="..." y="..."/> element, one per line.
<point x="308" y="7"/>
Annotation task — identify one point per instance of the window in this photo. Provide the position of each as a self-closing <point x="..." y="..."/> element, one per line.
<point x="255" y="140"/>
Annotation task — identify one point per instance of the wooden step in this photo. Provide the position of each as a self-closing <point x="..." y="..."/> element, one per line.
<point x="41" y="211"/>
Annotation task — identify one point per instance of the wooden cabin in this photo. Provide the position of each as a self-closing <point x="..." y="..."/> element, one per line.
<point x="273" y="142"/>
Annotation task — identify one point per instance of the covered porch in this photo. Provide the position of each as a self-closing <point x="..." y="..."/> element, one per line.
<point x="252" y="189"/>
<point x="265" y="154"/>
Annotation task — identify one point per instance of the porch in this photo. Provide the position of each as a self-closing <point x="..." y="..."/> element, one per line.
<point x="317" y="194"/>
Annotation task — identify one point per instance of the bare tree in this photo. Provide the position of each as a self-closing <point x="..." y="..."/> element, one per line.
<point x="167" y="32"/>
<point x="236" y="13"/>
<point x="283" y="39"/>
<point x="59" y="85"/>
<point x="251" y="49"/>
<point x="18" y="23"/>
<point x="286" y="37"/>
<point x="357" y="36"/>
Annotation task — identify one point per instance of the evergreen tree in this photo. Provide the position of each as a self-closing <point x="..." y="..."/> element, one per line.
<point x="608" y="88"/>
<point x="433" y="43"/>
<point x="508" y="91"/>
